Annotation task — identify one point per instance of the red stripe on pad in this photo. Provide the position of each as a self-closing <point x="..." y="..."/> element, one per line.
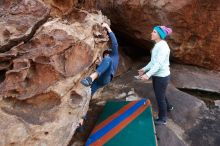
<point x="120" y="126"/>
<point x="113" y="116"/>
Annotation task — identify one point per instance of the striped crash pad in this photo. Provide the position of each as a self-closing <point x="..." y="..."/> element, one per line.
<point x="127" y="123"/>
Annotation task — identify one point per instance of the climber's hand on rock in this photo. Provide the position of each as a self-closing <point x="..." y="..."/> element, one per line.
<point x="105" y="25"/>
<point x="144" y="77"/>
<point x="98" y="60"/>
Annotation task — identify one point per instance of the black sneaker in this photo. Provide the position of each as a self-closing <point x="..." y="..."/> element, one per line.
<point x="86" y="81"/>
<point x="80" y="127"/>
<point x="170" y="108"/>
<point x="160" y="122"/>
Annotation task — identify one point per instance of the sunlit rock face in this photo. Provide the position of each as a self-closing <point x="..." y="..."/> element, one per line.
<point x="195" y="23"/>
<point x="41" y="98"/>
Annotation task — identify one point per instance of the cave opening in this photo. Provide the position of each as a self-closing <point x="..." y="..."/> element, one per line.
<point x="134" y="48"/>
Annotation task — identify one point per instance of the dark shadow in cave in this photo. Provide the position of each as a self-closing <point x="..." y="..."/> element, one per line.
<point x="206" y="96"/>
<point x="134" y="48"/>
<point x="2" y="75"/>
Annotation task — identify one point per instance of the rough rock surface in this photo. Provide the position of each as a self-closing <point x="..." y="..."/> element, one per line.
<point x="19" y="20"/>
<point x="217" y="103"/>
<point x="40" y="93"/>
<point x="206" y="133"/>
<point x="65" y="7"/>
<point x="58" y="50"/>
<point x="195" y="24"/>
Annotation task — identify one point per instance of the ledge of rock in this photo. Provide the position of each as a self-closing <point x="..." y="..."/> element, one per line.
<point x="188" y="77"/>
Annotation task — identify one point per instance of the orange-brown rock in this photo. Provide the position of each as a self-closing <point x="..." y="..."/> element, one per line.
<point x="65" y="7"/>
<point x="41" y="98"/>
<point x="19" y="20"/>
<point x="195" y="24"/>
<point x="50" y="56"/>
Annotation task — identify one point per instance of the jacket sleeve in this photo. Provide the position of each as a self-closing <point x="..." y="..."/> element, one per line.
<point x="114" y="44"/>
<point x="160" y="57"/>
<point x="147" y="67"/>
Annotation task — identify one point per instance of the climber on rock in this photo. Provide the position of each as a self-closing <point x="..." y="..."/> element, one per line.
<point x="106" y="65"/>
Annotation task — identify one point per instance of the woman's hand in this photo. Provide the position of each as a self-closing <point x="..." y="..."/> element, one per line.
<point x="144" y="77"/>
<point x="141" y="72"/>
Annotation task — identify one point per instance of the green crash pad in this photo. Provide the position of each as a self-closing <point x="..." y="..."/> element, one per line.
<point x="126" y="123"/>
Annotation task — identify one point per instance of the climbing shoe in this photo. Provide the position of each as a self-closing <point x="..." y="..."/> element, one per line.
<point x="80" y="127"/>
<point x="160" y="122"/>
<point x="86" y="81"/>
<point x="170" y="108"/>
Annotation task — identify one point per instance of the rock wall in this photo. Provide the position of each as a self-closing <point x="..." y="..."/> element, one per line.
<point x="195" y="24"/>
<point x="42" y="61"/>
<point x="19" y="20"/>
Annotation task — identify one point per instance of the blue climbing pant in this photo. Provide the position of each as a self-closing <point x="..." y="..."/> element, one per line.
<point x="104" y="74"/>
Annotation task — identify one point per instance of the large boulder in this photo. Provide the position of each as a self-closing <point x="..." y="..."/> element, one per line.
<point x="58" y="50"/>
<point x="41" y="98"/>
<point x="195" y="24"/>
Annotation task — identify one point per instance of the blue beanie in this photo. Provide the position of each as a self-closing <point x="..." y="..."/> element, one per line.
<point x="161" y="32"/>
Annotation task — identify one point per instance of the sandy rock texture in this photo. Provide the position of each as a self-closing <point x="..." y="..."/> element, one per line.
<point x="42" y="62"/>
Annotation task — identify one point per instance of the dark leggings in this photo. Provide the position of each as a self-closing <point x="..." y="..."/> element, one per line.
<point x="160" y="85"/>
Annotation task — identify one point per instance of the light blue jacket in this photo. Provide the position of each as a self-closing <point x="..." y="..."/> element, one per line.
<point x="159" y="63"/>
